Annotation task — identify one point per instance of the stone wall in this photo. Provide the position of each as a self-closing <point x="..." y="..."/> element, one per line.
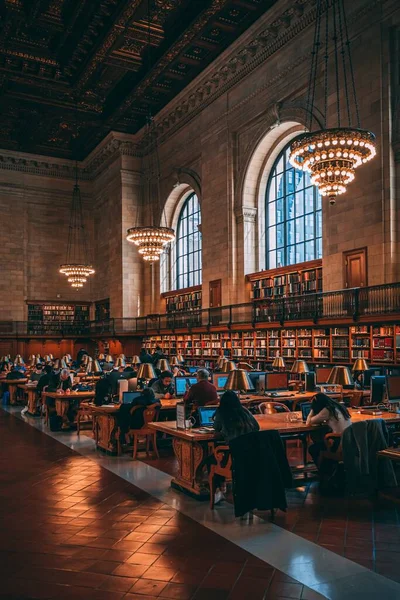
<point x="220" y="135"/>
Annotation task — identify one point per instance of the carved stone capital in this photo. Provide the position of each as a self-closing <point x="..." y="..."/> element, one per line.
<point x="246" y="214"/>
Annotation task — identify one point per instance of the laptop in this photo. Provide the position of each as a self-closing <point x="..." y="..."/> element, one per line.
<point x="182" y="382"/>
<point x="206" y="414"/>
<point x="192" y="370"/>
<point x="129" y="397"/>
<point x="305" y="410"/>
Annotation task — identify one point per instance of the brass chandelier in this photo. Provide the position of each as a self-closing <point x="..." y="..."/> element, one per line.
<point x="76" y="267"/>
<point x="333" y="154"/>
<point x="151" y="239"/>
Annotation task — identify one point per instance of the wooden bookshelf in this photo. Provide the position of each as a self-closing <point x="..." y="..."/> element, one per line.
<point x="184" y="300"/>
<point x="50" y="317"/>
<point x="295" y="280"/>
<point x="378" y="344"/>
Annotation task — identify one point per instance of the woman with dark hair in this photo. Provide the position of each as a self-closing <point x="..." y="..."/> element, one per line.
<point x="232" y="419"/>
<point x="326" y="411"/>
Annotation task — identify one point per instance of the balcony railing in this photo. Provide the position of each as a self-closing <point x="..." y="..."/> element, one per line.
<point x="379" y="301"/>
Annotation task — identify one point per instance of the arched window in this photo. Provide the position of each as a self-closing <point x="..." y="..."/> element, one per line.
<point x="188" y="244"/>
<point x="293" y="215"/>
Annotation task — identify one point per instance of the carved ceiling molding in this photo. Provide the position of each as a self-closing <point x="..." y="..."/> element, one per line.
<point x="114" y="146"/>
<point x="246" y="57"/>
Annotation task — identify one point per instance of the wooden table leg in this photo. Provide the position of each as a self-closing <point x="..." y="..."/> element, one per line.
<point x="191" y="457"/>
<point x="12" y="388"/>
<point x="106" y="430"/>
<point x="31" y="401"/>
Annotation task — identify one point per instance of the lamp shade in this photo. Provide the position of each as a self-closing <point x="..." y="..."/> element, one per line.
<point x="174" y="362"/>
<point x="109" y="358"/>
<point x="136" y="360"/>
<point x="57" y="364"/>
<point x="180" y="358"/>
<point x="66" y="358"/>
<point x="47" y="358"/>
<point x="278" y="363"/>
<point x="238" y="380"/>
<point x="299" y="366"/>
<point x="122" y="356"/>
<point x="102" y="357"/>
<point x="146" y="371"/>
<point x="89" y="366"/>
<point x="245" y="366"/>
<point x="120" y="362"/>
<point x="340" y="376"/>
<point x="96" y="368"/>
<point x="51" y="356"/>
<point x="39" y="356"/>
<point x="221" y="360"/>
<point x="18" y="360"/>
<point x="360" y="365"/>
<point x="228" y="366"/>
<point x="85" y="359"/>
<point x="163" y="364"/>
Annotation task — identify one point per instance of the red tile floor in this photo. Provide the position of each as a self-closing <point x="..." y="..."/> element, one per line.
<point x="71" y="529"/>
<point x="366" y="532"/>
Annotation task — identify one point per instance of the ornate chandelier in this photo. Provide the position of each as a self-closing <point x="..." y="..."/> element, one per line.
<point x="332" y="155"/>
<point x="76" y="266"/>
<point x="151" y="239"/>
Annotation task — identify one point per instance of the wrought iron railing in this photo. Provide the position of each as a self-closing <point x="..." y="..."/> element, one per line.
<point x="375" y="301"/>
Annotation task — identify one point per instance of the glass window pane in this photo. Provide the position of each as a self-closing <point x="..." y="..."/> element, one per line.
<point x="290" y="207"/>
<point x="309" y="200"/>
<point x="299" y="204"/>
<point x="188" y="245"/>
<point x="290" y="232"/>
<point x="300" y="253"/>
<point x="293" y="215"/>
<point x="300" y="229"/>
<point x="309" y="224"/>
<point x="272" y="238"/>
<point x="310" y="250"/>
<point x="272" y="213"/>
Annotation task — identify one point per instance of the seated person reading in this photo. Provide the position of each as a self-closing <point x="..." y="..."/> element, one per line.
<point x="325" y="411"/>
<point x="163" y="386"/>
<point x="61" y="383"/>
<point x="37" y="373"/>
<point x="203" y="392"/>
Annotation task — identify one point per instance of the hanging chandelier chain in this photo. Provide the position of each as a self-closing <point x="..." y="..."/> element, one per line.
<point x="353" y="84"/>
<point x="314" y="65"/>
<point x="335" y="41"/>
<point x="326" y="57"/>
<point x="343" y="53"/>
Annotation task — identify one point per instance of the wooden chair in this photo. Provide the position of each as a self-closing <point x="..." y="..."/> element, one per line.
<point x="271" y="408"/>
<point x="221" y="454"/>
<point x="149" y="414"/>
<point x="329" y="453"/>
<point x="84" y="410"/>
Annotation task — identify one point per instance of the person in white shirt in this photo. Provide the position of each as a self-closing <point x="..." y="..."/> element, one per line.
<point x="325" y="411"/>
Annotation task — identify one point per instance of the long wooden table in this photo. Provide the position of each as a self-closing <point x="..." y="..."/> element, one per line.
<point x="63" y="401"/>
<point x="191" y="446"/>
<point x="12" y="388"/>
<point x="31" y="396"/>
<point x="105" y="422"/>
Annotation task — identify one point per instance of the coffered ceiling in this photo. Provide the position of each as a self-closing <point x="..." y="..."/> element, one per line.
<point x="72" y="70"/>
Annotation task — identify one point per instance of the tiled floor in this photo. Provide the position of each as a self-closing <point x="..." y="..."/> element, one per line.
<point x="72" y="529"/>
<point x="366" y="532"/>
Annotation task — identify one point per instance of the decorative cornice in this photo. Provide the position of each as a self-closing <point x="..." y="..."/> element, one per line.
<point x="112" y="147"/>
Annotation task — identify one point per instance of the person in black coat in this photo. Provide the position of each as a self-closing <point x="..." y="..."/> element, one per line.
<point x="145" y="357"/>
<point x="128" y="419"/>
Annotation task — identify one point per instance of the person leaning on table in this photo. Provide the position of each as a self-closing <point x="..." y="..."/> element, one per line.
<point x="326" y="411"/>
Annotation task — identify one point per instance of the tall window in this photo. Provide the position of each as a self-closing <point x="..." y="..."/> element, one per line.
<point x="293" y="215"/>
<point x="188" y="245"/>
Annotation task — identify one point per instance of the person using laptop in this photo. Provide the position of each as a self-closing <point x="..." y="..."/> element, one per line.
<point x="127" y="418"/>
<point x="326" y="411"/>
<point x="201" y="393"/>
<point x="231" y="419"/>
<point x="163" y="386"/>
